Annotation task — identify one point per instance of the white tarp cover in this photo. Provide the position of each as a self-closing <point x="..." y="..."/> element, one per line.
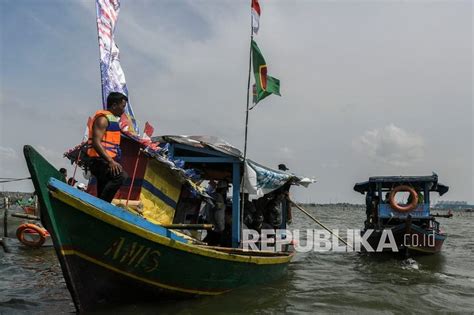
<point x="260" y="180"/>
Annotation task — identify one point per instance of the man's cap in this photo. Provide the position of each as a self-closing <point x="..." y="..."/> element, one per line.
<point x="282" y="167"/>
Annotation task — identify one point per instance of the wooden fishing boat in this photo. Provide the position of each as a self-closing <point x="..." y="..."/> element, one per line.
<point x="111" y="255"/>
<point x="413" y="227"/>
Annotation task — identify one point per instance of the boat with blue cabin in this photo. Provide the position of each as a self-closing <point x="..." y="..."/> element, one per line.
<point x="413" y="227"/>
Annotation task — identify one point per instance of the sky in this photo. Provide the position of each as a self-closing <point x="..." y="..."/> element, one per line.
<point x="368" y="87"/>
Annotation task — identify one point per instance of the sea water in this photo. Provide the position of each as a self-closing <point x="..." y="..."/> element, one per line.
<point x="328" y="282"/>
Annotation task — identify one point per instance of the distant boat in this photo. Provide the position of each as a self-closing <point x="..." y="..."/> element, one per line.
<point x="110" y="255"/>
<point x="414" y="229"/>
<point x="452" y="205"/>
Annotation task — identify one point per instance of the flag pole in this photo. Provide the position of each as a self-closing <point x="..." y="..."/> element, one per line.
<point x="247" y="111"/>
<point x="242" y="202"/>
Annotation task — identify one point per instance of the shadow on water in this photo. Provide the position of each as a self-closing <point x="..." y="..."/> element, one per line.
<point x="251" y="300"/>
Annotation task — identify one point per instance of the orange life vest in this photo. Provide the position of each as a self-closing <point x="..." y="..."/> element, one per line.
<point x="111" y="139"/>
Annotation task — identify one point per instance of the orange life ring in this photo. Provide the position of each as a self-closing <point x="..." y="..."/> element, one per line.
<point x="31" y="228"/>
<point x="403" y="208"/>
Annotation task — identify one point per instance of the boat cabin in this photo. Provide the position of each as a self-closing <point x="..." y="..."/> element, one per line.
<point x="384" y="208"/>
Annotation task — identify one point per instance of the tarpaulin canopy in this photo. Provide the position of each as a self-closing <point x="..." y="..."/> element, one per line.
<point x="211" y="142"/>
<point x="258" y="179"/>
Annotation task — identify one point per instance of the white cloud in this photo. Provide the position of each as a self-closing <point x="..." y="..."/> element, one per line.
<point x="7" y="153"/>
<point x="391" y="145"/>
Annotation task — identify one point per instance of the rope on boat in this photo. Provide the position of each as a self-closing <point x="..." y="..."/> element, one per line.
<point x="10" y="179"/>
<point x="75" y="168"/>
<point x="133" y="177"/>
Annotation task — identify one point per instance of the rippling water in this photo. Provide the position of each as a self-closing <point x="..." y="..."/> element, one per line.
<point x="31" y="280"/>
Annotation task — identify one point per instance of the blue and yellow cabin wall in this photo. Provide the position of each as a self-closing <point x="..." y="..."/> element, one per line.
<point x="154" y="185"/>
<point x="162" y="194"/>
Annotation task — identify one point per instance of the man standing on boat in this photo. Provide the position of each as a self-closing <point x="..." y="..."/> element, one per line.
<point x="104" y="147"/>
<point x="216" y="214"/>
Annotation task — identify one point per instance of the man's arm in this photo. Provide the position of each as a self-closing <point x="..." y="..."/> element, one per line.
<point x="98" y="130"/>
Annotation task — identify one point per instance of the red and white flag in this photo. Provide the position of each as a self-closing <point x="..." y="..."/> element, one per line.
<point x="148" y="130"/>
<point x="255" y="16"/>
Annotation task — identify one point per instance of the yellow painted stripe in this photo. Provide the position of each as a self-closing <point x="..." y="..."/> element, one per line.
<point x="126" y="226"/>
<point x="130" y="275"/>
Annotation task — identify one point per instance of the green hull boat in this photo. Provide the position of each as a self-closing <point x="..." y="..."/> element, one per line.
<point x="110" y="256"/>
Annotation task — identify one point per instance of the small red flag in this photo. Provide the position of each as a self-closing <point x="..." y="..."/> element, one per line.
<point x="256" y="6"/>
<point x="255" y="16"/>
<point x="148" y="129"/>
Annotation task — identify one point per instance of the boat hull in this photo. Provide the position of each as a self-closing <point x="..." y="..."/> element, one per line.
<point x="414" y="240"/>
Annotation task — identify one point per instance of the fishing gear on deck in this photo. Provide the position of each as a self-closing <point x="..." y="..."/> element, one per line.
<point x="133" y="177"/>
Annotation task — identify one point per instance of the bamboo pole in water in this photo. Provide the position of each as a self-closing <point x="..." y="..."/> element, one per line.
<point x="4" y="245"/>
<point x="183" y="226"/>
<point x="317" y="221"/>
<point x="5" y="217"/>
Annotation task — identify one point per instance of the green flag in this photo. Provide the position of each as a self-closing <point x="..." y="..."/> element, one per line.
<point x="264" y="84"/>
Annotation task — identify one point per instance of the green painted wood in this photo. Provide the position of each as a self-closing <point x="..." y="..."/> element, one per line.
<point x="133" y="254"/>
